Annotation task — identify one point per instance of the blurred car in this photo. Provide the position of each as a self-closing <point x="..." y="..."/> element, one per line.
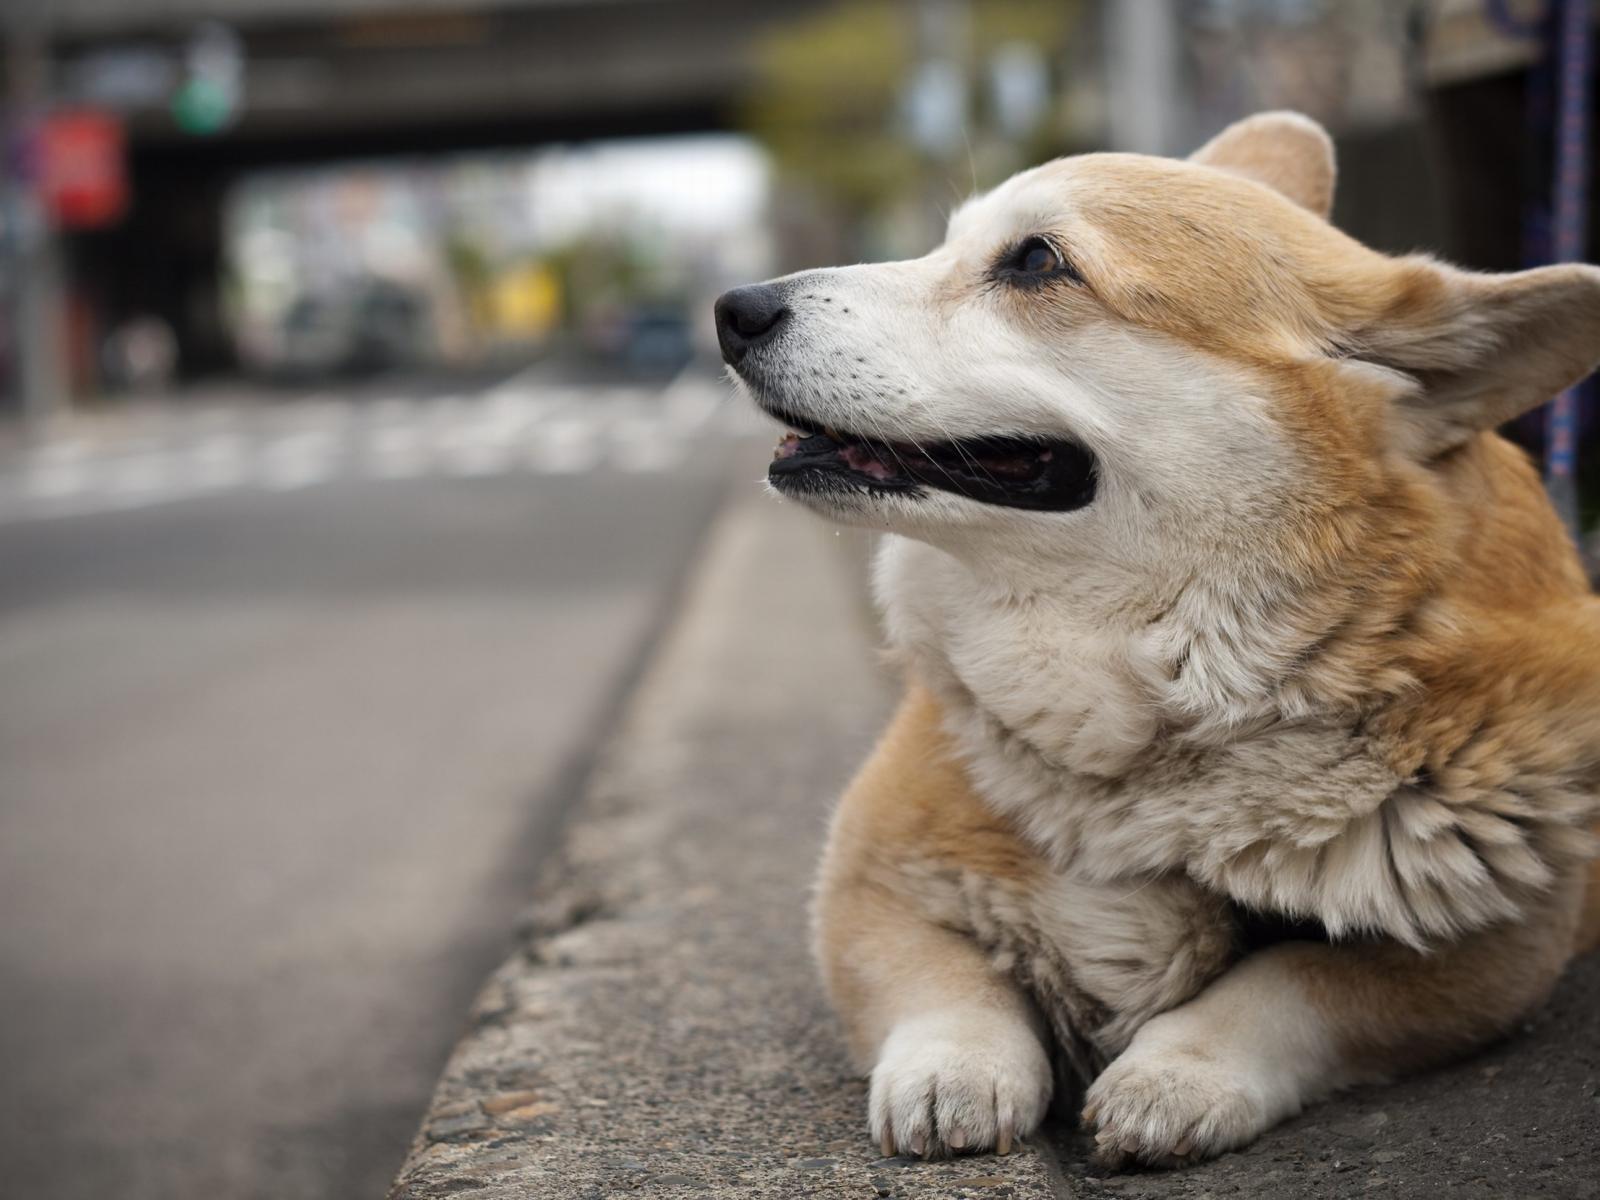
<point x="375" y="326"/>
<point x="656" y="340"/>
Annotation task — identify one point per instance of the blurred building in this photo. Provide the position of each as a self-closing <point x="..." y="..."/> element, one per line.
<point x="1435" y="105"/>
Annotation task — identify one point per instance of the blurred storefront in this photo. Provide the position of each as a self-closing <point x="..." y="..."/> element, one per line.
<point x="611" y="247"/>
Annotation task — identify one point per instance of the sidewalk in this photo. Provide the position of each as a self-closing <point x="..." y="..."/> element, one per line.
<point x="660" y="1028"/>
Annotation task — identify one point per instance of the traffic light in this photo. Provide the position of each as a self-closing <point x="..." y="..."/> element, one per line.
<point x="207" y="101"/>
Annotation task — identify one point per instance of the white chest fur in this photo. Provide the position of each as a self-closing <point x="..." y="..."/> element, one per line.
<point x="1061" y="729"/>
<point x="1055" y="674"/>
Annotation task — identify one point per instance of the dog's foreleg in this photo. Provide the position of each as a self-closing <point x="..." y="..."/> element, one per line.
<point x="955" y="1049"/>
<point x="956" y="1052"/>
<point x="1294" y="1022"/>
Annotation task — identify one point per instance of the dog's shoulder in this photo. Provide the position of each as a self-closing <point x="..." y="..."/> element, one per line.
<point x="912" y="806"/>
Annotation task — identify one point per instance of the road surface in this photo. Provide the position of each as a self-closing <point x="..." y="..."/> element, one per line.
<point x="291" y="698"/>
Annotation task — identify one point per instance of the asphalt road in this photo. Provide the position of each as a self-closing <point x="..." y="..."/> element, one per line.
<point x="276" y="767"/>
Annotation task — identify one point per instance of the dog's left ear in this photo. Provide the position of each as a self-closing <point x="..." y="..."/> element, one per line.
<point x="1288" y="152"/>
<point x="1482" y="348"/>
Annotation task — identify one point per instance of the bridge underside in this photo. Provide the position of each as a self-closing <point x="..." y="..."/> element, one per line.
<point x="362" y="81"/>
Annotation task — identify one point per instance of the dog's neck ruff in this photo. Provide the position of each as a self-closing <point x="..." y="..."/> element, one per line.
<point x="1275" y="797"/>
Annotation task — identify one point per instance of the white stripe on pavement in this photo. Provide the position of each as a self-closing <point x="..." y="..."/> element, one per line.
<point x="516" y="425"/>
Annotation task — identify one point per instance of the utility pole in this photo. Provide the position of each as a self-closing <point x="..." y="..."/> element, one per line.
<point x="938" y="101"/>
<point x="1142" y="73"/>
<point x="29" y="248"/>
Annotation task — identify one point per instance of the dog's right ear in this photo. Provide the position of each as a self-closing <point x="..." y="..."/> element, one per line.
<point x="1482" y="348"/>
<point x="1288" y="152"/>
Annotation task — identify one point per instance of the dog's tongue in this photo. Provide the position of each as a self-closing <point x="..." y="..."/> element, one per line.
<point x="858" y="458"/>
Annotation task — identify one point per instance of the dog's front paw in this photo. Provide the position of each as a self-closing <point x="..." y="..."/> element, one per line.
<point x="1174" y="1097"/>
<point x="947" y="1084"/>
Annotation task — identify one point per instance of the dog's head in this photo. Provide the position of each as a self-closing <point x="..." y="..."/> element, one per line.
<point x="1144" y="362"/>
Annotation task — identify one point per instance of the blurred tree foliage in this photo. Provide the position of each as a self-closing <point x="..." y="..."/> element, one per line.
<point x="598" y="272"/>
<point x="831" y="92"/>
<point x="829" y="88"/>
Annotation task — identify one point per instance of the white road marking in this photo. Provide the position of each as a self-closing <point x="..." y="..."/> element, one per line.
<point x="138" y="478"/>
<point x="216" y="462"/>
<point x="470" y="456"/>
<point x="142" y="458"/>
<point x="398" y="452"/>
<point x="299" y="460"/>
<point x="690" y="407"/>
<point x="55" y="477"/>
<point x="649" y="456"/>
<point x="565" y="447"/>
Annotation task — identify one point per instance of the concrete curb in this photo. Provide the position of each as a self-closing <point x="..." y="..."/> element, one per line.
<point x="660" y="1028"/>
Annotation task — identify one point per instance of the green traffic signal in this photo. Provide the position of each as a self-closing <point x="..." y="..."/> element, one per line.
<point x="202" y="106"/>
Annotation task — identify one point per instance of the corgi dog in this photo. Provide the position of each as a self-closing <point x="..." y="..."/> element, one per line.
<point x="1250" y="746"/>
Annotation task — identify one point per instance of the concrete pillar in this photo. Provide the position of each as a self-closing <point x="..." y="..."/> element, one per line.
<point x="1142" y="62"/>
<point x="31" y="255"/>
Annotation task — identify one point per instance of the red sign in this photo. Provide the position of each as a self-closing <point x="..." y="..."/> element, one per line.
<point x="83" y="174"/>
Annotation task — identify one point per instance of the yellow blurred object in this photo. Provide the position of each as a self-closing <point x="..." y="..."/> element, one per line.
<point x="524" y="302"/>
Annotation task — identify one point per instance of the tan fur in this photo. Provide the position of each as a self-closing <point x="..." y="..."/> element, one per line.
<point x="911" y="841"/>
<point x="1366" y="692"/>
<point x="1284" y="151"/>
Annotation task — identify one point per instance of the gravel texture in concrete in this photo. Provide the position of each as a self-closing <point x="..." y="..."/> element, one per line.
<point x="660" y="1029"/>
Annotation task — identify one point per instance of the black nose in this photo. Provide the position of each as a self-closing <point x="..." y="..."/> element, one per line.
<point x="746" y="317"/>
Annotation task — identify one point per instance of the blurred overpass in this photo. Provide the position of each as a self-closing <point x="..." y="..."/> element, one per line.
<point x="337" y="79"/>
<point x="356" y="77"/>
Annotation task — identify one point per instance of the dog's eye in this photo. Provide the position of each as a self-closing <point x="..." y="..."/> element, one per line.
<point x="1038" y="256"/>
<point x="1034" y="260"/>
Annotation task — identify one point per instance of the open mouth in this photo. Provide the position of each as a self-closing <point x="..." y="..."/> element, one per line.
<point x="1016" y="472"/>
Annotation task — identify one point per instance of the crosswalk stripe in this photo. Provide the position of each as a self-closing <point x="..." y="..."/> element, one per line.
<point x="564" y="447"/>
<point x="52" y="479"/>
<point x="216" y="462"/>
<point x="398" y="452"/>
<point x="298" y="460"/>
<point x="514" y="426"/>
<point x="138" y="476"/>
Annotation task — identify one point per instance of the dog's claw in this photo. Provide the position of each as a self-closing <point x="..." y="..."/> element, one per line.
<point x="1002" y="1144"/>
<point x="886" y="1144"/>
<point x="957" y="1139"/>
<point x="1183" y="1147"/>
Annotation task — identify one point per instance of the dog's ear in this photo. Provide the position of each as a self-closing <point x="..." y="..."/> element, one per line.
<point x="1284" y="150"/>
<point x="1482" y="348"/>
